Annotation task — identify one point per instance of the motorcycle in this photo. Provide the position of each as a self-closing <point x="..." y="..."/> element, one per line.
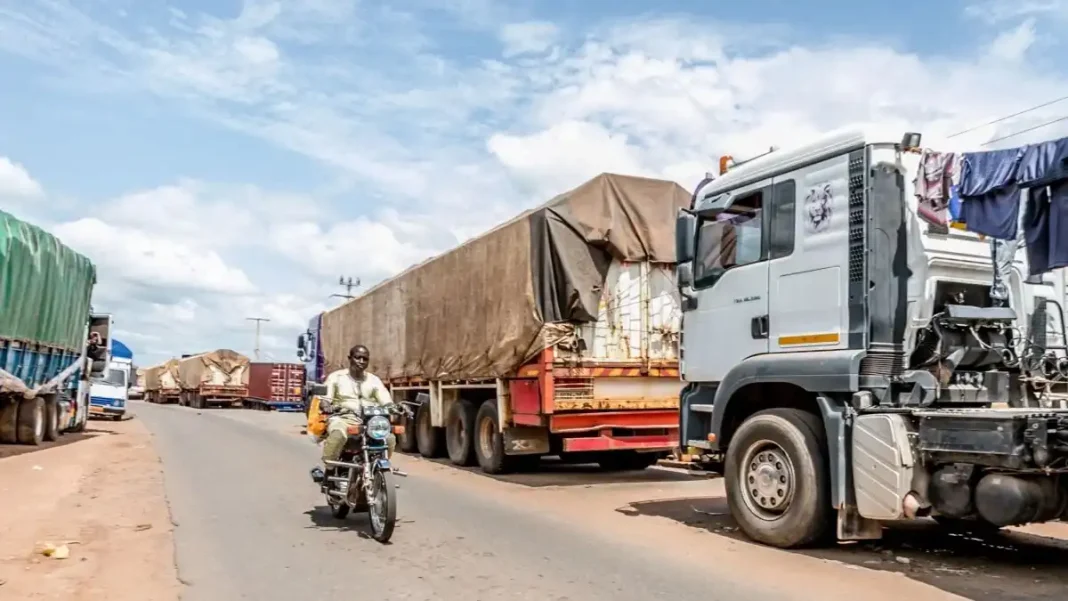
<point x="363" y="477"/>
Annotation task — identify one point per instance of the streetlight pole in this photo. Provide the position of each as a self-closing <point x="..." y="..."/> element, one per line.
<point x="258" y="321"/>
<point x="348" y="284"/>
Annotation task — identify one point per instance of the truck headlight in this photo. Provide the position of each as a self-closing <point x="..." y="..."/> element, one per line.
<point x="378" y="427"/>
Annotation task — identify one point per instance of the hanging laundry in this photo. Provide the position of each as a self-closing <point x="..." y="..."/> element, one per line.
<point x="989" y="194"/>
<point x="1044" y="172"/>
<point x="935" y="176"/>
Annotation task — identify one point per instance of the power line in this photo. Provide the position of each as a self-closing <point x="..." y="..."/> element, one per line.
<point x="1007" y="117"/>
<point x="1024" y="131"/>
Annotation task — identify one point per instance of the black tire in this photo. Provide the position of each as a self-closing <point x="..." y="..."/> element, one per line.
<point x="799" y="438"/>
<point x="52" y="417"/>
<point x="620" y="461"/>
<point x="489" y="442"/>
<point x="32" y="421"/>
<point x="408" y="442"/>
<point x="460" y="433"/>
<point x="9" y="421"/>
<point x="388" y="491"/>
<point x="430" y="440"/>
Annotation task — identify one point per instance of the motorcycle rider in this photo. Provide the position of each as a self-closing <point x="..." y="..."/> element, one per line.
<point x="350" y="389"/>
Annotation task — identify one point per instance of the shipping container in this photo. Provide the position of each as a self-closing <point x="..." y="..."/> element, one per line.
<point x="277" y="386"/>
<point x="161" y="382"/>
<point x="216" y="378"/>
<point x="45" y="324"/>
<point x="555" y="333"/>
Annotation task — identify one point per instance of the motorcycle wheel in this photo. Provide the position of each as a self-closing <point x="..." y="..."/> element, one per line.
<point x="383" y="511"/>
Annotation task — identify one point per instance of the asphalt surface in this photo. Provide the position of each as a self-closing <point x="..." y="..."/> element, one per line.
<point x="250" y="524"/>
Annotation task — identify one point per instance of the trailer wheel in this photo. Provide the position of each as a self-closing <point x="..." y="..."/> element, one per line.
<point x="52" y="417"/>
<point x="489" y="442"/>
<point x="408" y="442"/>
<point x="777" y="481"/>
<point x="9" y="421"/>
<point x="32" y="416"/>
<point x="460" y="433"/>
<point x="431" y="440"/>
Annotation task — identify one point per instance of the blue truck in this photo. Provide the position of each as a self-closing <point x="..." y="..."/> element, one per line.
<point x="51" y="343"/>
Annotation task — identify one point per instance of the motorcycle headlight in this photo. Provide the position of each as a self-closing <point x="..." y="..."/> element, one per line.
<point x="378" y="427"/>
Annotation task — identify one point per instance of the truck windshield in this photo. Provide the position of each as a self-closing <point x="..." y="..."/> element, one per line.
<point x="729" y="240"/>
<point x="114" y="377"/>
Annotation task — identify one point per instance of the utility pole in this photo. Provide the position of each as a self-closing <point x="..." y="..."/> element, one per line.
<point x="258" y="321"/>
<point x="348" y="284"/>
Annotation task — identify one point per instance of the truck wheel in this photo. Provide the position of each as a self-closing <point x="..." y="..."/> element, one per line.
<point x="431" y="440"/>
<point x="9" y="421"/>
<point x="489" y="442"/>
<point x="460" y="433"/>
<point x="778" y="487"/>
<point x="52" y="417"/>
<point x="32" y="416"/>
<point x="407" y="442"/>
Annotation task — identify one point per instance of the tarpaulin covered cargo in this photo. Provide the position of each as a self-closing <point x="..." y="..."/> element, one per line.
<point x="45" y="287"/>
<point x="222" y="367"/>
<point x="162" y="377"/>
<point x="487" y="306"/>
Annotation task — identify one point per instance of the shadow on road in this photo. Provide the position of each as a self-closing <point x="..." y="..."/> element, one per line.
<point x="556" y="473"/>
<point x="14" y="450"/>
<point x="322" y="519"/>
<point x="1008" y="566"/>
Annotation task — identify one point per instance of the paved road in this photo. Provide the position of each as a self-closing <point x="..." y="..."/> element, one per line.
<point x="251" y="525"/>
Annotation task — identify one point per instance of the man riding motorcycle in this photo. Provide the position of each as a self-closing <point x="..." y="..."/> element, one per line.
<point x="348" y="390"/>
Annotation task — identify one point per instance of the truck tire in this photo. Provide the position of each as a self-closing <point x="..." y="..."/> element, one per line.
<point x="777" y="459"/>
<point x="460" y="433"/>
<point x="489" y="442"/>
<point x="407" y="442"/>
<point x="52" y="418"/>
<point x="9" y="421"/>
<point x="431" y="440"/>
<point x="32" y="420"/>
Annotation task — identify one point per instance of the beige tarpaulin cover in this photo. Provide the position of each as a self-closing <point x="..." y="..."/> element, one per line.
<point x="153" y="375"/>
<point x="486" y="307"/>
<point x="223" y="367"/>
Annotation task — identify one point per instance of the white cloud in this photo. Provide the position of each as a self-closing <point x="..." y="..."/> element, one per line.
<point x="1013" y="45"/>
<point x="15" y="181"/>
<point x="530" y="37"/>
<point x="359" y="248"/>
<point x="997" y="11"/>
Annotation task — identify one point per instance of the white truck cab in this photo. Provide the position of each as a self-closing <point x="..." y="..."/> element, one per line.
<point x="844" y="361"/>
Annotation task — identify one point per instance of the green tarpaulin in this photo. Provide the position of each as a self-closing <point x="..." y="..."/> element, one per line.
<point x="45" y="287"/>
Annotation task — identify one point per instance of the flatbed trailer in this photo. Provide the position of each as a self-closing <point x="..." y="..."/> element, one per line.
<point x="555" y="333"/>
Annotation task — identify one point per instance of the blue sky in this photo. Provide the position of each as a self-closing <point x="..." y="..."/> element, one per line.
<point x="231" y="158"/>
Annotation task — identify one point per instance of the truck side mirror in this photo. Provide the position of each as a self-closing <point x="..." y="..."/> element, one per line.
<point x="685" y="237"/>
<point x="684" y="275"/>
<point x="301" y="342"/>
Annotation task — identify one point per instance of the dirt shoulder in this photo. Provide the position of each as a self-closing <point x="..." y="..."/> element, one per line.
<point x="103" y="498"/>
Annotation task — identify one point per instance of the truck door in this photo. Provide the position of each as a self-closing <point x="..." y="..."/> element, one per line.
<point x="808" y="261"/>
<point x="730" y="322"/>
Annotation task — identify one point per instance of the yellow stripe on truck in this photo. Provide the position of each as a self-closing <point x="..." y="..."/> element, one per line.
<point x="799" y="339"/>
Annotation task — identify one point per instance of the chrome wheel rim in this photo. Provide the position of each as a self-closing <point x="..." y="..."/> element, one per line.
<point x="768" y="480"/>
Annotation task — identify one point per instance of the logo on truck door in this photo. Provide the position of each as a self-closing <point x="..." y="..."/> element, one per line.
<point x="818" y="208"/>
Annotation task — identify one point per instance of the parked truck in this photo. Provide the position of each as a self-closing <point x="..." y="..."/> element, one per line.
<point x="46" y="359"/>
<point x="213" y="379"/>
<point x="277" y="386"/>
<point x="845" y="363"/>
<point x="109" y="392"/>
<point x="161" y="383"/>
<point x="552" y="334"/>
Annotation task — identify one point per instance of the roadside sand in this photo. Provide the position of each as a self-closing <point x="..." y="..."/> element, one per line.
<point x="102" y="497"/>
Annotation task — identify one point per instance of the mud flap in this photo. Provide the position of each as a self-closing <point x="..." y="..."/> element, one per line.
<point x="852" y="526"/>
<point x="526" y="441"/>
